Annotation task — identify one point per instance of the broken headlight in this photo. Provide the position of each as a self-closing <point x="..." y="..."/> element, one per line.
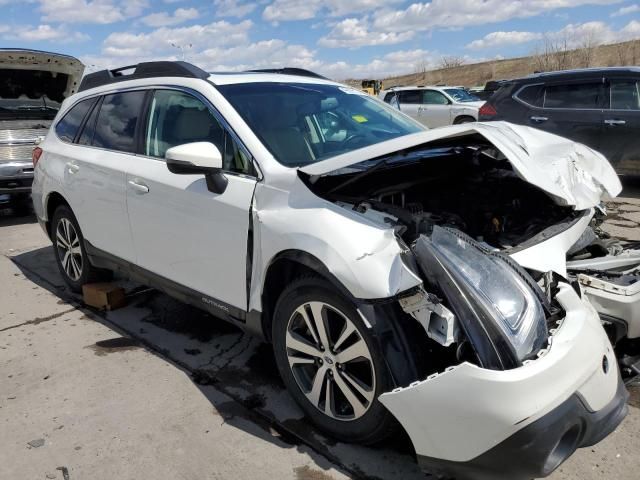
<point x="498" y="289"/>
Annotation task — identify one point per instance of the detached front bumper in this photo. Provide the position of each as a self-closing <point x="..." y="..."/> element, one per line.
<point x="521" y="423"/>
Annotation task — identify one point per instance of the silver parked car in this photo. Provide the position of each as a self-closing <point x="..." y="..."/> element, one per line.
<point x="33" y="84"/>
<point x="435" y="106"/>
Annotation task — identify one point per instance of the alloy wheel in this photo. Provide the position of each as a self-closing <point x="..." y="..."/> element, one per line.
<point x="330" y="361"/>
<point x="69" y="250"/>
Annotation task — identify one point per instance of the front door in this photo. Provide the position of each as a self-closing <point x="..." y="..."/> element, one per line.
<point x="181" y="230"/>
<point x="621" y="124"/>
<point x="409" y="103"/>
<point x="435" y="110"/>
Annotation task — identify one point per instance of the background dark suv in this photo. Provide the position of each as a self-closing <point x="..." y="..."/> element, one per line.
<point x="598" y="107"/>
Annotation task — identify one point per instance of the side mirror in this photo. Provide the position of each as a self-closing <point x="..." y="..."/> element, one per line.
<point x="198" y="158"/>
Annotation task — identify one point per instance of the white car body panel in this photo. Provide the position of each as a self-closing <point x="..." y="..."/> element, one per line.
<point x="443" y="423"/>
<point x="185" y="233"/>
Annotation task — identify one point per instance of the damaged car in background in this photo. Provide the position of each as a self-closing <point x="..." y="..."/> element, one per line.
<point x="440" y="281"/>
<point x="33" y="84"/>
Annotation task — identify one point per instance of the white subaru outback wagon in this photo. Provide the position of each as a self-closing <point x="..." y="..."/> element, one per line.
<point x="406" y="278"/>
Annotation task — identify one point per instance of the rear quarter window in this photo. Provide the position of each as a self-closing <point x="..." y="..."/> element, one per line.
<point x="67" y="127"/>
<point x="531" y="95"/>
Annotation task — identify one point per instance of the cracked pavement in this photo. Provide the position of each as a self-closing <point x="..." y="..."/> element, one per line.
<point x="159" y="389"/>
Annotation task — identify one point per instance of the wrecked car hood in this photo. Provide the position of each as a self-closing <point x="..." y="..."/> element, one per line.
<point x="33" y="74"/>
<point x="573" y="174"/>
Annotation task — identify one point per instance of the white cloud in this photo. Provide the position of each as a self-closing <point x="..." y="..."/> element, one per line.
<point x="626" y="10"/>
<point x="580" y="34"/>
<point x="164" y="19"/>
<point x="354" y="33"/>
<point x="461" y="13"/>
<point x="87" y="11"/>
<point x="282" y="10"/>
<point x="233" y="8"/>
<point x="500" y="39"/>
<point x="41" y="33"/>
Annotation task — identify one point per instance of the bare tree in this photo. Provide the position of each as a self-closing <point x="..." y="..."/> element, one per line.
<point x="451" y="62"/>
<point x="552" y="54"/>
<point x="586" y="49"/>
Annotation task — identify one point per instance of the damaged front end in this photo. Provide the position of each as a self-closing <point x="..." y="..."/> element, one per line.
<point x="519" y="371"/>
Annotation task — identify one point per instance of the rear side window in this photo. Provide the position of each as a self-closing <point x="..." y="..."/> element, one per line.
<point x="67" y="128"/>
<point x="575" y="95"/>
<point x="86" y="137"/>
<point x="411" y="96"/>
<point x="532" y="95"/>
<point x="625" y="95"/>
<point x="117" y="120"/>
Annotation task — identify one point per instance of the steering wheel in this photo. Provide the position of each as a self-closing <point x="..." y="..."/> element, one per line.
<point x="352" y="138"/>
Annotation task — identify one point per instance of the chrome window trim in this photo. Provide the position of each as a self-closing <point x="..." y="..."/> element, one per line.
<point x="515" y="97"/>
<point x="212" y="109"/>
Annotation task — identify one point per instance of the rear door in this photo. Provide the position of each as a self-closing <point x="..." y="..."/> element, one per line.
<point x="95" y="172"/>
<point x="182" y="231"/>
<point x="409" y="102"/>
<point x="571" y="109"/>
<point x="435" y="110"/>
<point x="621" y="136"/>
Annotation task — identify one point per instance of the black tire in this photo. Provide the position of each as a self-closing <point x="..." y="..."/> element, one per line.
<point x="88" y="273"/>
<point x="376" y="423"/>
<point x="463" y="119"/>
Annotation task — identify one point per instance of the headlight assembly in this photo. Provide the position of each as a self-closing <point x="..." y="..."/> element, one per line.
<point x="499" y="310"/>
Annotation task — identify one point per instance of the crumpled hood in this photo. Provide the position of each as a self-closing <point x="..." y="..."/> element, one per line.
<point x="573" y="174"/>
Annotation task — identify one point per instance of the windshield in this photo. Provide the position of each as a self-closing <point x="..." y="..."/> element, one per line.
<point x="461" y="95"/>
<point x="302" y="124"/>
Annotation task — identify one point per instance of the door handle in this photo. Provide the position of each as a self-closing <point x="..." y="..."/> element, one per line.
<point x="538" y="119"/>
<point x="73" y="168"/>
<point x="140" y="188"/>
<point x="612" y="122"/>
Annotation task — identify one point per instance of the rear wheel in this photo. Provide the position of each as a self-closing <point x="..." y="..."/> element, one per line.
<point x="330" y="362"/>
<point x="463" y="119"/>
<point x="71" y="255"/>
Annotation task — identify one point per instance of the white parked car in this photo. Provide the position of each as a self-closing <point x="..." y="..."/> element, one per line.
<point x="434" y="106"/>
<point x="404" y="276"/>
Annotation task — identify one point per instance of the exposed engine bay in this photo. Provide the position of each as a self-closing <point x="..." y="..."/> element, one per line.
<point x="471" y="188"/>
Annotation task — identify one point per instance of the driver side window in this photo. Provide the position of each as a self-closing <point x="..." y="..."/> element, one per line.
<point x="176" y="118"/>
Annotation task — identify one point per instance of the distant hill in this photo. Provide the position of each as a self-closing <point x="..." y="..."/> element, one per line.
<point x="618" y="54"/>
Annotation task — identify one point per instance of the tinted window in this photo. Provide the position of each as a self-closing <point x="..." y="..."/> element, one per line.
<point x="625" y="95"/>
<point x="431" y="97"/>
<point x="410" y="96"/>
<point x="176" y="118"/>
<point x="86" y="137"/>
<point x="389" y="96"/>
<point x="67" y="128"/>
<point x="532" y="95"/>
<point x="116" y="125"/>
<point x="577" y="95"/>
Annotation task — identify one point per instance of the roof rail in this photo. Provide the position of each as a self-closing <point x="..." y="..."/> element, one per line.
<point x="301" y="72"/>
<point x="142" y="70"/>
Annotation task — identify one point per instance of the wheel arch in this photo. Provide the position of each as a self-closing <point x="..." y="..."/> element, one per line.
<point x="464" y="116"/>
<point x="53" y="201"/>
<point x="281" y="270"/>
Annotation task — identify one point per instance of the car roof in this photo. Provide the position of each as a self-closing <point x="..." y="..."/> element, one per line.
<point x="229" y="78"/>
<point x="421" y="87"/>
<point x="577" y="72"/>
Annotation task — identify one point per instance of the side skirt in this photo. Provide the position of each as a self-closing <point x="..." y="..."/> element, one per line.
<point x="251" y="321"/>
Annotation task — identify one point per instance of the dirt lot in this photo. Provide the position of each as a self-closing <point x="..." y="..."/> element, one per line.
<point x="161" y="390"/>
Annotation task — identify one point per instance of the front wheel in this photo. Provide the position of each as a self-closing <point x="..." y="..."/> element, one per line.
<point x="330" y="362"/>
<point x="71" y="255"/>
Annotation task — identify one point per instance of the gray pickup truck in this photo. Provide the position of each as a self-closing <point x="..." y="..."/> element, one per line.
<point x="33" y="84"/>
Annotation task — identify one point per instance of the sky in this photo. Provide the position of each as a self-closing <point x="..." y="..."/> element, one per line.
<point x="337" y="38"/>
